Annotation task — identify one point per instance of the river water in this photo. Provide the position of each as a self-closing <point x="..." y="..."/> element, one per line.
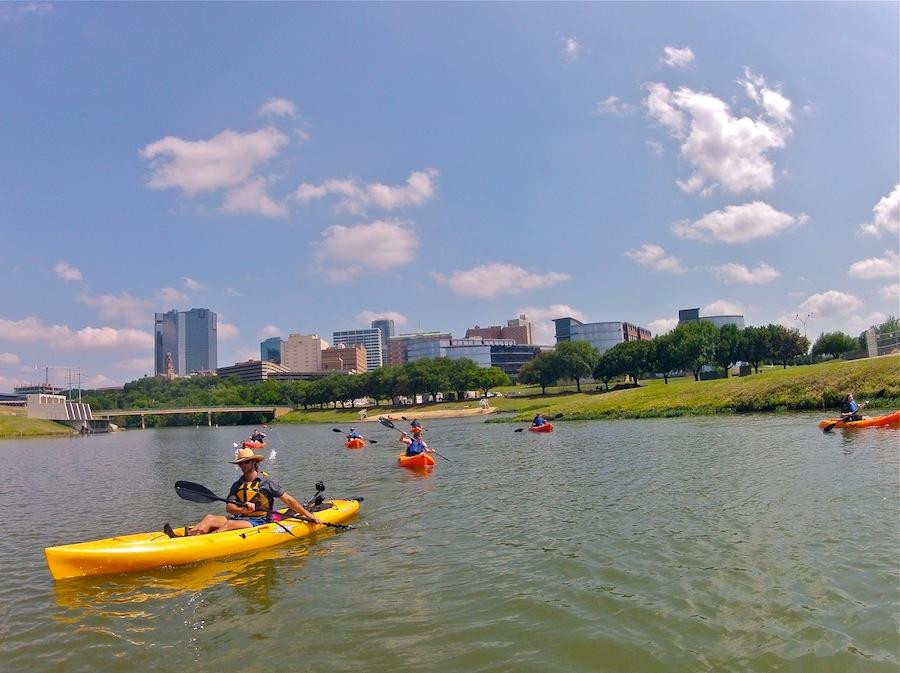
<point x="744" y="543"/>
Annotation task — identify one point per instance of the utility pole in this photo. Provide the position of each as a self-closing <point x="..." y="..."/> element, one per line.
<point x="802" y="321"/>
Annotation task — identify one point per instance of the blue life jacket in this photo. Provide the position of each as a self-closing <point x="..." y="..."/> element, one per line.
<point x="415" y="447"/>
<point x="539" y="420"/>
<point x="354" y="435"/>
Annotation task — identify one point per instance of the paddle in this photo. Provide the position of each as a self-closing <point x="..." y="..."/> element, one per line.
<point x="830" y="426"/>
<point x="386" y="423"/>
<point x="188" y="490"/>
<point x="406" y="419"/>
<point x="370" y="441"/>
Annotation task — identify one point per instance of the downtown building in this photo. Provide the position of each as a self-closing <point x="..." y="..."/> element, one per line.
<point x="189" y="337"/>
<point x="370" y="339"/>
<point x="601" y="335"/>
<point x="693" y="315"/>
<point x="386" y="327"/>
<point x="520" y="330"/>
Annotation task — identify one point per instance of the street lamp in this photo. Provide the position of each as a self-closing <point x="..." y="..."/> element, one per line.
<point x="802" y="321"/>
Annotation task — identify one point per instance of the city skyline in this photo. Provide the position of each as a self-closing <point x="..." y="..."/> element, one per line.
<point x="439" y="165"/>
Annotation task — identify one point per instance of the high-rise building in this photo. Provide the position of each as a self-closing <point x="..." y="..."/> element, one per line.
<point x="270" y="350"/>
<point x="370" y="339"/>
<point x="693" y="315"/>
<point x="191" y="339"/>
<point x="303" y="352"/>
<point x="420" y="344"/>
<point x="343" y="358"/>
<point x="601" y="335"/>
<point x="519" y="329"/>
<point x="387" y="331"/>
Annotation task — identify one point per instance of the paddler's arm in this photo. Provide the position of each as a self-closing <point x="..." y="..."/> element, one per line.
<point x="291" y="502"/>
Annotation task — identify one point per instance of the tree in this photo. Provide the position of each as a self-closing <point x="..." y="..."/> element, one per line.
<point x="786" y="344"/>
<point x="695" y="345"/>
<point x="665" y="356"/>
<point x="727" y="349"/>
<point x="463" y="375"/>
<point x="491" y="377"/>
<point x="607" y="368"/>
<point x="577" y="360"/>
<point x="755" y="346"/>
<point x="833" y="344"/>
<point x="544" y="370"/>
<point x="632" y="358"/>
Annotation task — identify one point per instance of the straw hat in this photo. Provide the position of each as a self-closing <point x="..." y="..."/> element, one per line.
<point x="244" y="455"/>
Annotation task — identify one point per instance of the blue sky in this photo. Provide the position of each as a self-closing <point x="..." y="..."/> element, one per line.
<point x="301" y="167"/>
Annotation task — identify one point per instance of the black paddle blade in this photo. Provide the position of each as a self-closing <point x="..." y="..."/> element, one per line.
<point x="337" y="430"/>
<point x="372" y="441"/>
<point x="829" y="428"/>
<point x="519" y="430"/>
<point x="194" y="492"/>
<point x="385" y="422"/>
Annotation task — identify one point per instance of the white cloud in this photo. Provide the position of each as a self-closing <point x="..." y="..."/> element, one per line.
<point x="358" y="196"/>
<point x="887" y="215"/>
<point x="655" y="146"/>
<point x="890" y="291"/>
<point x="245" y="354"/>
<point x="226" y="330"/>
<point x="542" y="317"/>
<point x="13" y="11"/>
<point x="120" y="308"/>
<point x="280" y="107"/>
<point x="738" y="273"/>
<point x="136" y="364"/>
<point x="67" y="272"/>
<point x="829" y="303"/>
<point x="662" y="325"/>
<point x="724" y="150"/>
<point x="378" y="246"/>
<point x="99" y="381"/>
<point x="192" y="284"/>
<point x="677" y="58"/>
<point x="571" y="47"/>
<point x="772" y="101"/>
<point x="171" y="297"/>
<point x="738" y="224"/>
<point x="366" y="317"/>
<point x="857" y="324"/>
<point x="491" y="280"/>
<point x="61" y="336"/>
<point x="9" y="359"/>
<point x="612" y="105"/>
<point x="269" y="331"/>
<point x="722" y="307"/>
<point x="877" y="267"/>
<point x="225" y="160"/>
<point x="656" y="258"/>
<point x="252" y="197"/>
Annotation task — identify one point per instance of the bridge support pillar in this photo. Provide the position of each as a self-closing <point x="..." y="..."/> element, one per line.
<point x="143" y="426"/>
<point x="209" y="419"/>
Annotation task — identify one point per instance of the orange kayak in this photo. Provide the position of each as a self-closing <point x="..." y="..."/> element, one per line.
<point x="892" y="420"/>
<point x="355" y="443"/>
<point x="546" y="427"/>
<point x="422" y="460"/>
<point x="249" y="444"/>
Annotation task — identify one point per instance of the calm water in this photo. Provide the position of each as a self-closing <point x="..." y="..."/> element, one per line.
<point x="724" y="544"/>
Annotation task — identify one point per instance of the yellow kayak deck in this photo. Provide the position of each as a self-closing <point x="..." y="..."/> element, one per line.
<point x="142" y="551"/>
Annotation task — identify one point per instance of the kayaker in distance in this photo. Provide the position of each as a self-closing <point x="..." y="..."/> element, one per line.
<point x="538" y="421"/>
<point x="850" y="409"/>
<point x="257" y="436"/>
<point x="415" y="444"/>
<point x="353" y="434"/>
<point x="255" y="495"/>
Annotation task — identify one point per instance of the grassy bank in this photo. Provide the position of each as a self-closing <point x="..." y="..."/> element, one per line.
<point x="14" y="423"/>
<point x="810" y="387"/>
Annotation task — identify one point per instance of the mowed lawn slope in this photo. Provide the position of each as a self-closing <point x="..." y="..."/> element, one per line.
<point x="14" y="423"/>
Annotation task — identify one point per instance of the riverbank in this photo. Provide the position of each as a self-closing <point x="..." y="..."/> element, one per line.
<point x="14" y="424"/>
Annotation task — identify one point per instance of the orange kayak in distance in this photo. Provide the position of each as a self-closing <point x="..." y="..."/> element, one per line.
<point x="420" y="461"/>
<point x="889" y="420"/>
<point x="546" y="427"/>
<point x="248" y="444"/>
<point x="355" y="443"/>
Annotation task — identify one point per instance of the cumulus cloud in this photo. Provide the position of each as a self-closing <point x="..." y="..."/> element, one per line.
<point x="279" y="107"/>
<point x="887" y="215"/>
<point x="890" y="291"/>
<point x="877" y="267"/>
<point x="120" y="307"/>
<point x="830" y="303"/>
<point x="66" y="272"/>
<point x="655" y="257"/>
<point x="366" y="317"/>
<point x="9" y="359"/>
<point x="348" y="251"/>
<point x="252" y="197"/>
<point x="571" y="47"/>
<point x="269" y="331"/>
<point x="856" y="324"/>
<point x="226" y="330"/>
<point x="31" y="329"/>
<point x="225" y="160"/>
<point x="662" y="325"/>
<point x="171" y="296"/>
<point x="192" y="284"/>
<point x="722" y="307"/>
<point x="357" y="196"/>
<point x="738" y="273"/>
<point x="491" y="280"/>
<point x="542" y="317"/>
<point x="677" y="58"/>
<point x="724" y="150"/>
<point x="738" y="224"/>
<point x="612" y="105"/>
<point x="135" y="364"/>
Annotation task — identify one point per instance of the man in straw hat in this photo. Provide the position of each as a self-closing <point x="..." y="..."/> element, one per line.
<point x="251" y="498"/>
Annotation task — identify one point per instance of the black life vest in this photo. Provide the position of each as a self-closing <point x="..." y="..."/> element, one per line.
<point x="250" y="491"/>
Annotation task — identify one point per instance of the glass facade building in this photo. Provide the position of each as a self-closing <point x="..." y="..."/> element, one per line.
<point x="386" y="326"/>
<point x="190" y="337"/>
<point x="270" y="350"/>
<point x="601" y="335"/>
<point x="370" y="339"/>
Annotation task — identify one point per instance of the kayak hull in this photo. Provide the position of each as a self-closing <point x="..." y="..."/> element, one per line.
<point x="247" y="444"/>
<point x="888" y="420"/>
<point x="547" y="427"/>
<point x="419" y="461"/>
<point x="143" y="551"/>
<point x="354" y="443"/>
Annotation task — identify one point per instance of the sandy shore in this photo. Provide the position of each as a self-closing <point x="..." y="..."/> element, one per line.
<point x="437" y="413"/>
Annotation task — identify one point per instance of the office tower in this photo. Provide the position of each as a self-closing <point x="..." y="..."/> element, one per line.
<point x="518" y="329"/>
<point x="270" y="350"/>
<point x="370" y="339"/>
<point x="191" y="339"/>
<point x="387" y="331"/>
<point x="601" y="335"/>
<point x="302" y="353"/>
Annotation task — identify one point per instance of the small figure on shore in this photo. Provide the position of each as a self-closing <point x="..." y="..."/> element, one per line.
<point x="850" y="409"/>
<point x="484" y="403"/>
<point x="363" y="414"/>
<point x="415" y="444"/>
<point x="538" y="421"/>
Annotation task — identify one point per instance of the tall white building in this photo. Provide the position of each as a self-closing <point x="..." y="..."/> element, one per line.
<point x="370" y="339"/>
<point x="303" y="352"/>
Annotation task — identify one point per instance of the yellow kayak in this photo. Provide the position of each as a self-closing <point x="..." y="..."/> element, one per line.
<point x="142" y="551"/>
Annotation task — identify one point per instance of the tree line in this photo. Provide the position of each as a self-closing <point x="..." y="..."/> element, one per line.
<point x="688" y="347"/>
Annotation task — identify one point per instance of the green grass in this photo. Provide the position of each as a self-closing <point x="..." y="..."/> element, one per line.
<point x="14" y="423"/>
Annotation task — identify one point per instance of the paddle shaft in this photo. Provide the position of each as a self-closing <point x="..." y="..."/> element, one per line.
<point x="385" y="422"/>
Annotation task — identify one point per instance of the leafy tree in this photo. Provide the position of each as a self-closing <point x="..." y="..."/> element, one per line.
<point x="491" y="377"/>
<point x="577" y="360"/>
<point x="665" y="355"/>
<point x="889" y="326"/>
<point x="755" y="345"/>
<point x="695" y="344"/>
<point x="833" y="344"/>
<point x="464" y="375"/>
<point x="607" y="368"/>
<point x="728" y="346"/>
<point x="544" y="370"/>
<point x="786" y="344"/>
<point x="428" y="376"/>
<point x="632" y="358"/>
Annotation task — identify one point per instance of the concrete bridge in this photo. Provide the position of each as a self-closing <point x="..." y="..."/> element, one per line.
<point x="209" y="411"/>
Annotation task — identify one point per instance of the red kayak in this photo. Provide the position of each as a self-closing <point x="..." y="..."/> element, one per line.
<point x="355" y="443"/>
<point x="420" y="461"/>
<point x="250" y="444"/>
<point x="546" y="427"/>
<point x="889" y="420"/>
